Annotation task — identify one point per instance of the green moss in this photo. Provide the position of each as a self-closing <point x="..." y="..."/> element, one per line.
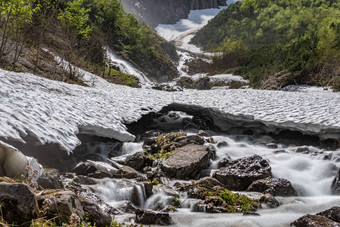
<point x="238" y="202"/>
<point x="164" y="145"/>
<point x="117" y="77"/>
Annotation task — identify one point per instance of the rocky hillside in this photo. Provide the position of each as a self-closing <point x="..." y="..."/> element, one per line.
<point x="155" y="12"/>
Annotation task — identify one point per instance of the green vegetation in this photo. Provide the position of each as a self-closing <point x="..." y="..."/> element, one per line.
<point x="117" y="77"/>
<point x="163" y="146"/>
<point x="297" y="41"/>
<point x="77" y="30"/>
<point x="236" y="202"/>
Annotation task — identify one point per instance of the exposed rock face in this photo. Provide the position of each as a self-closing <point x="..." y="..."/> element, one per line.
<point x="18" y="203"/>
<point x="241" y="173"/>
<point x="152" y="218"/>
<point x="273" y="186"/>
<point x="186" y="162"/>
<point x="155" y="12"/>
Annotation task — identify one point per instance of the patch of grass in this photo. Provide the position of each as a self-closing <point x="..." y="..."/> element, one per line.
<point x="117" y="77"/>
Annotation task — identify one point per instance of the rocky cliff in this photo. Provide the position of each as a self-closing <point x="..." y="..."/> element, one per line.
<point x="155" y="12"/>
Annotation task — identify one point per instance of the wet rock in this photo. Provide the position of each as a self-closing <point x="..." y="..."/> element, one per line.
<point x="95" y="169"/>
<point x="224" y="162"/>
<point x="84" y="180"/>
<point x="148" y="189"/>
<point x="335" y="187"/>
<point x="272" y="145"/>
<point x="250" y="213"/>
<point x="222" y="144"/>
<point x="95" y="214"/>
<point x="332" y="213"/>
<point x="212" y="205"/>
<point x="129" y="173"/>
<point x="84" y="168"/>
<point x="136" y="161"/>
<point x="202" y="133"/>
<point x="212" y="152"/>
<point x="208" y="182"/>
<point x="126" y="207"/>
<point x="60" y="205"/>
<point x="18" y="203"/>
<point x="50" y="179"/>
<point x="186" y="162"/>
<point x="192" y="139"/>
<point x="273" y="186"/>
<point x="147" y="217"/>
<point x="241" y="173"/>
<point x="314" y="221"/>
<point x="269" y="201"/>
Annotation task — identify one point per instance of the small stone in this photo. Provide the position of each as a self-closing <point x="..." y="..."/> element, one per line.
<point x="222" y="144"/>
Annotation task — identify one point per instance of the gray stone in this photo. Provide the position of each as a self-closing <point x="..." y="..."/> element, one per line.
<point x="147" y="217"/>
<point x="314" y="221"/>
<point x="18" y="203"/>
<point x="186" y="162"/>
<point x="273" y="186"/>
<point x="241" y="173"/>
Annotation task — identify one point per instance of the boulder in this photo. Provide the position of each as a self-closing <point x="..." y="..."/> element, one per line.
<point x="186" y="162"/>
<point x="18" y="203"/>
<point x="314" y="221"/>
<point x="224" y="162"/>
<point x="136" y="161"/>
<point x="95" y="214"/>
<point x="60" y="205"/>
<point x="241" y="173"/>
<point x="126" y="207"/>
<point x="95" y="169"/>
<point x="208" y="182"/>
<point x="332" y="213"/>
<point x="129" y="173"/>
<point x="269" y="201"/>
<point x="147" y="217"/>
<point x="336" y="184"/>
<point x="273" y="186"/>
<point x="50" y="179"/>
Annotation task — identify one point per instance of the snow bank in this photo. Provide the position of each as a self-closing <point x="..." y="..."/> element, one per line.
<point x="14" y="164"/>
<point x="54" y="112"/>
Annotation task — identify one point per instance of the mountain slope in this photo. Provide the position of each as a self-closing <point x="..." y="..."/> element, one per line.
<point x="155" y="12"/>
<point x="275" y="43"/>
<point x="77" y="31"/>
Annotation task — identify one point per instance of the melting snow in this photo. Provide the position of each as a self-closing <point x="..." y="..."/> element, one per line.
<point x="54" y="112"/>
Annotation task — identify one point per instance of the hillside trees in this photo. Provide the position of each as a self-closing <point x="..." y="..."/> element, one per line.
<point x="77" y="31"/>
<point x="266" y="37"/>
<point x="14" y="15"/>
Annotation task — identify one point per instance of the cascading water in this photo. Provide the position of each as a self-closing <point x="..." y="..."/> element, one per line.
<point x="124" y="66"/>
<point x="311" y="170"/>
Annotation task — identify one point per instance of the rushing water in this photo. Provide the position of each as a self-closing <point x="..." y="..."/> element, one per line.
<point x="310" y="172"/>
<point x="310" y="169"/>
